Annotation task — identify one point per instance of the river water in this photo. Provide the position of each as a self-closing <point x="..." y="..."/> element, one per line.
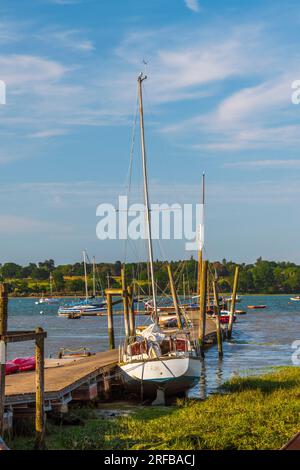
<point x="261" y="339"/>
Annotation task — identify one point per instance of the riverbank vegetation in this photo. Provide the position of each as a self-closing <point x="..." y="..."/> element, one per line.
<point x="260" y="412"/>
<point x="268" y="277"/>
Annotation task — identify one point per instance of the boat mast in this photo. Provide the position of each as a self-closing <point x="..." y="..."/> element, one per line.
<point x="141" y="78"/>
<point x="201" y="235"/>
<point x="94" y="276"/>
<point x="50" y="281"/>
<point x="85" y="276"/>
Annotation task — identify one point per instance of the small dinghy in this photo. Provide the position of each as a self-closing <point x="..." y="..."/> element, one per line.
<point x="20" y="364"/>
<point x="253" y="307"/>
<point x="225" y="316"/>
<point x="296" y="298"/>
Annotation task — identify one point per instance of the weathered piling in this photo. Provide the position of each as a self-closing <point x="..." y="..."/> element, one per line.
<point x="174" y="297"/>
<point x="40" y="381"/>
<point x="125" y="304"/>
<point x="202" y="306"/>
<point x="217" y="315"/>
<point x="110" y="321"/>
<point x="233" y="298"/>
<point x="3" y="332"/>
<point x="131" y="313"/>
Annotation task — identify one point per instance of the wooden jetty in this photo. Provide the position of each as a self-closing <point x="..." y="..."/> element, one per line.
<point x="65" y="380"/>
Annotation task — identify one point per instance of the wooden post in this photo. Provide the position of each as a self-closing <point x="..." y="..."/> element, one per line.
<point x="233" y="298"/>
<point x="202" y="305"/>
<point x="217" y="315"/>
<point x="3" y="331"/>
<point x="39" y="408"/>
<point x="174" y="296"/>
<point x="131" y="313"/>
<point x="125" y="304"/>
<point x="110" y="322"/>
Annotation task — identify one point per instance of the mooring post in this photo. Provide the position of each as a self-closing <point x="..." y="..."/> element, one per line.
<point x="233" y="298"/>
<point x="217" y="315"/>
<point x="3" y="331"/>
<point x="174" y="297"/>
<point x="125" y="304"/>
<point x="202" y="305"/>
<point x="131" y="313"/>
<point x="110" y="321"/>
<point x="39" y="400"/>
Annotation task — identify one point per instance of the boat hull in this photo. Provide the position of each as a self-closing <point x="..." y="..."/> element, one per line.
<point x="172" y="375"/>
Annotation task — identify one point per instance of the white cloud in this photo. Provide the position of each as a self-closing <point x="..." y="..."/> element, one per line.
<point x="48" y="133"/>
<point x="68" y="38"/>
<point x="20" y="70"/>
<point x="18" y="225"/>
<point x="193" y="5"/>
<point x="258" y="164"/>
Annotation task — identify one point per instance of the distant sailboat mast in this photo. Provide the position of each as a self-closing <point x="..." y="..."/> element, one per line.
<point x="141" y="78"/>
<point x="85" y="276"/>
<point x="94" y="276"/>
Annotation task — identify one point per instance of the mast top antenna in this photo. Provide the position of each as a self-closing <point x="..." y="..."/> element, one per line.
<point x="142" y="77"/>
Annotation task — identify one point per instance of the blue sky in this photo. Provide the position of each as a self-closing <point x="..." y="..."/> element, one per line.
<point x="218" y="99"/>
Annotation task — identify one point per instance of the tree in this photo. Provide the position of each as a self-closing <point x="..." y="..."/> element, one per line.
<point x="117" y="268"/>
<point x="59" y="281"/>
<point x="11" y="270"/>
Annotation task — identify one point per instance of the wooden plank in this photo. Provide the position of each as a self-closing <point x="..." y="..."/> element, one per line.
<point x="17" y="337"/>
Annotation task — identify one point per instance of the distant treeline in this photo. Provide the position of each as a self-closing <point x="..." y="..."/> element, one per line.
<point x="263" y="276"/>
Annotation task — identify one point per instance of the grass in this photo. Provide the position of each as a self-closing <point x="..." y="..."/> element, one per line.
<point x="250" y="413"/>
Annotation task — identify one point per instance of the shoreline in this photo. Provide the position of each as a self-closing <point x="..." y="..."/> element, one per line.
<point x="79" y="296"/>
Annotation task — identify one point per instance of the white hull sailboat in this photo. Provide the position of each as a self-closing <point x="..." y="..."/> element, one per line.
<point x="158" y="363"/>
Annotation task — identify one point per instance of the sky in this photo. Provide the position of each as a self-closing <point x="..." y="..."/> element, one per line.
<point x="217" y="99"/>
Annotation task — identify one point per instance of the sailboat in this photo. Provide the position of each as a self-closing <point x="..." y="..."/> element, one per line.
<point x="88" y="306"/>
<point x="158" y="362"/>
<point x="48" y="300"/>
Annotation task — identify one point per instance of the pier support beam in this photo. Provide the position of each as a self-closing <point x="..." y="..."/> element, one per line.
<point x="233" y="298"/>
<point x="110" y="322"/>
<point x="217" y="315"/>
<point x="202" y="305"/>
<point x="174" y="297"/>
<point x="131" y="314"/>
<point x="3" y="331"/>
<point x="125" y="304"/>
<point x="40" y="380"/>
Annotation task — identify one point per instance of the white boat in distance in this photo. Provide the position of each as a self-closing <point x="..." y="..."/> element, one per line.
<point x="48" y="300"/>
<point x="87" y="308"/>
<point x="296" y="298"/>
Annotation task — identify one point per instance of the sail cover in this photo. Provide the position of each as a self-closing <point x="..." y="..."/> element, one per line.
<point x="153" y="333"/>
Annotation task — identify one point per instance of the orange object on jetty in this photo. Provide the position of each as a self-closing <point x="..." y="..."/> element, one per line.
<point x="256" y="306"/>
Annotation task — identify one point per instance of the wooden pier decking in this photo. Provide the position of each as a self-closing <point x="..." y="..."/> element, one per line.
<point x="61" y="379"/>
